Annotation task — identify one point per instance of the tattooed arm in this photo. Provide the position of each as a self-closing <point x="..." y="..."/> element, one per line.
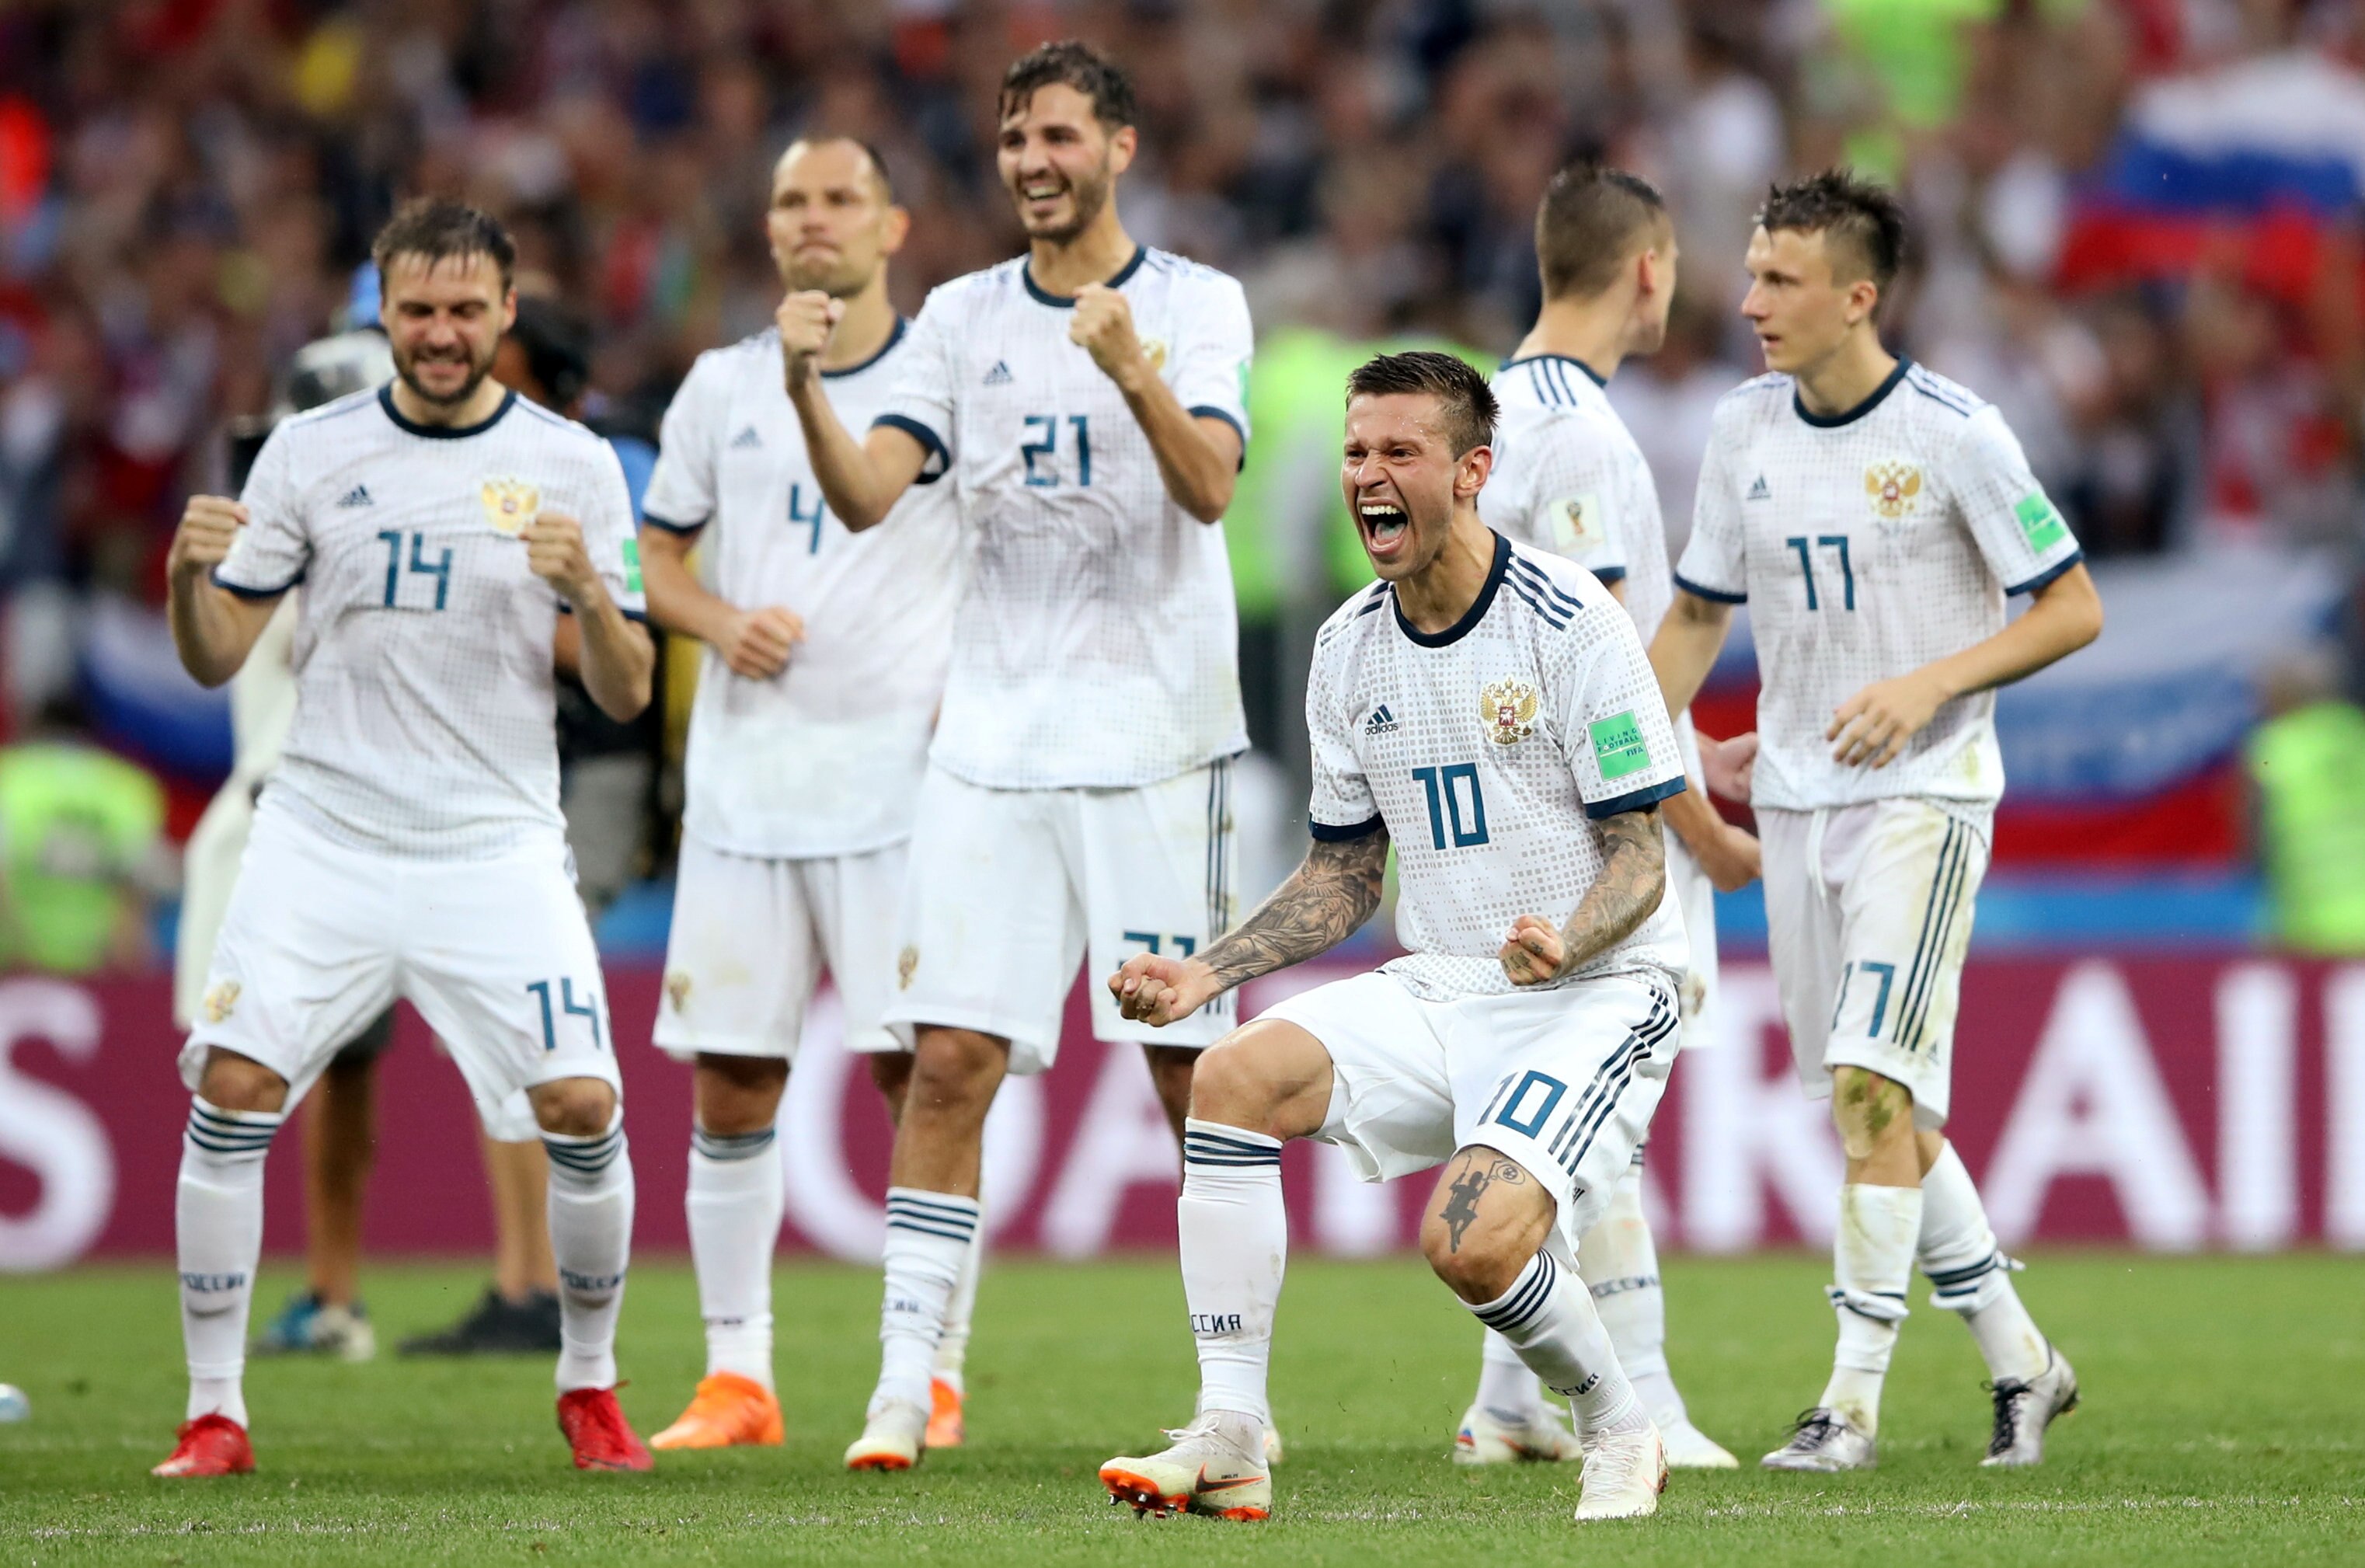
<point x="1633" y="878"/>
<point x="1332" y="892"/>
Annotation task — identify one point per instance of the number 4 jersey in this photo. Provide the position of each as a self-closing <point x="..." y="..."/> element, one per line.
<point x="424" y="716"/>
<point x="826" y="757"/>
<point x="1491" y="752"/>
<point x="1867" y="545"/>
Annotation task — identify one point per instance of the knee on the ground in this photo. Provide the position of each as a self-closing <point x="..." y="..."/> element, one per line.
<point x="1871" y="1113"/>
<point x="574" y="1107"/>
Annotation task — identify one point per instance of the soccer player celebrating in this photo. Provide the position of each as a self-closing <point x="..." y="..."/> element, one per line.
<point x="1569" y="478"/>
<point x="826" y="659"/>
<point x="410" y="842"/>
<point x="1488" y="710"/>
<point x="1087" y="398"/>
<point x="1875" y="517"/>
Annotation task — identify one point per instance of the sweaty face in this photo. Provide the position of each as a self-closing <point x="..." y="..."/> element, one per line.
<point x="1798" y="307"/>
<point x="1059" y="162"/>
<point x="443" y="320"/>
<point x="829" y="222"/>
<point x="1397" y="471"/>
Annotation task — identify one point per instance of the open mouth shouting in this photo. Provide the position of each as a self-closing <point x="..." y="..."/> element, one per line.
<point x="1386" y="527"/>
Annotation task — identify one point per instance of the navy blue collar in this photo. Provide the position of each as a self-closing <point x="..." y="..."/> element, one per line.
<point x="892" y="339"/>
<point x="442" y="432"/>
<point x="1832" y="421"/>
<point x="1469" y="616"/>
<point x="1059" y="302"/>
<point x="1598" y="379"/>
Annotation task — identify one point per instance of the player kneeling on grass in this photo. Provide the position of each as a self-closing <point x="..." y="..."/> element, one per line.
<point x="1488" y="710"/>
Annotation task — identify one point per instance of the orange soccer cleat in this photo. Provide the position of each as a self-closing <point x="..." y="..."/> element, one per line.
<point x="727" y="1411"/>
<point x="946" y="1430"/>
<point x="595" y="1430"/>
<point x="211" y="1445"/>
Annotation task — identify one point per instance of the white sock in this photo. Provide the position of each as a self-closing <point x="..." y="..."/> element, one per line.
<point x="952" y="1345"/>
<point x="1872" y="1261"/>
<point x="929" y="1235"/>
<point x="1620" y="1261"/>
<point x="1508" y="1391"/>
<point x="733" y="1205"/>
<point x="591" y="1240"/>
<point x="1235" y="1235"/>
<point x="218" y="1230"/>
<point x="1970" y="1275"/>
<point x="1547" y="1316"/>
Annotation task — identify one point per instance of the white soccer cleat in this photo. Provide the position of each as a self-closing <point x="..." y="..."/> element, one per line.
<point x="1689" y="1448"/>
<point x="1624" y="1474"/>
<point x="1216" y="1467"/>
<point x="2023" y="1411"/>
<point x="1541" y="1440"/>
<point x="1274" y="1450"/>
<point x="1823" y="1440"/>
<point x="893" y="1438"/>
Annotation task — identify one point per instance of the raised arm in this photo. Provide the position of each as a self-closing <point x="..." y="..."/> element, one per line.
<point x="1330" y="895"/>
<point x="1198" y="455"/>
<point x="213" y="628"/>
<point x="1633" y="881"/>
<point x="861" y="478"/>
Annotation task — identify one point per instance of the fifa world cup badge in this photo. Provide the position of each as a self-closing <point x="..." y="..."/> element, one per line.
<point x="1509" y="708"/>
<point x="1893" y="487"/>
<point x="510" y="505"/>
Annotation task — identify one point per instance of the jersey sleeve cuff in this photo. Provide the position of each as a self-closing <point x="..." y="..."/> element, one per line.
<point x="1330" y="833"/>
<point x="1209" y="411"/>
<point x="937" y="451"/>
<point x="2046" y="576"/>
<point x="641" y="616"/>
<point x="245" y="590"/>
<point x="1650" y="795"/>
<point x="1715" y="596"/>
<point x="652" y="520"/>
<point x="1605" y="576"/>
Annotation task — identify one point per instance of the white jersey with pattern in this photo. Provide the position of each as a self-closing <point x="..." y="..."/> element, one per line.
<point x="1096" y="643"/>
<point x="424" y="722"/>
<point x="1867" y="545"/>
<point x="826" y="757"/>
<point x="1490" y="752"/>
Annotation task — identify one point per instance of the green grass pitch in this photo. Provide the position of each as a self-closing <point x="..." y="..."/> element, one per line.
<point x="2224" y="1422"/>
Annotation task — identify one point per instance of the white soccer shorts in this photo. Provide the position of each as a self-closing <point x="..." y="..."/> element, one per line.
<point x="320" y="937"/>
<point x="1563" y="1081"/>
<point x="751" y="936"/>
<point x="1695" y="896"/>
<point x="1868" y="919"/>
<point x="1008" y="889"/>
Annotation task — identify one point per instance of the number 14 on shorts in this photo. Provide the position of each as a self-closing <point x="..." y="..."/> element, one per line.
<point x="586" y="1008"/>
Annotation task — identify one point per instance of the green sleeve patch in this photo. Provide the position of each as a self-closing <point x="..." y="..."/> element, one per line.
<point x="1619" y="747"/>
<point x="2039" y="523"/>
<point x="632" y="565"/>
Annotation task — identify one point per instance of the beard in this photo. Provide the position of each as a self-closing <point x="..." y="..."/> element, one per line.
<point x="1087" y="196"/>
<point x="405" y="366"/>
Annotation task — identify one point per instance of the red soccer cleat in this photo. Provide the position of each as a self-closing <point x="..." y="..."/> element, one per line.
<point x="597" y="1430"/>
<point x="211" y="1445"/>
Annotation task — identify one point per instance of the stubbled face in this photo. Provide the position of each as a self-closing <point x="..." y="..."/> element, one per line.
<point x="1401" y="479"/>
<point x="443" y="320"/>
<point x="1799" y="309"/>
<point x="1059" y="162"/>
<point x="830" y="224"/>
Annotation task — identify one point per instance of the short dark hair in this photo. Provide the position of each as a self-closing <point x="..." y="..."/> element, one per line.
<point x="1466" y="402"/>
<point x="1850" y="212"/>
<point x="869" y="151"/>
<point x="1070" y="63"/>
<point x="1587" y="223"/>
<point x="440" y="229"/>
<point x="557" y="345"/>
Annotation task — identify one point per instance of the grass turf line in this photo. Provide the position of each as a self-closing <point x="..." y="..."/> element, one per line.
<point x="2223" y="1420"/>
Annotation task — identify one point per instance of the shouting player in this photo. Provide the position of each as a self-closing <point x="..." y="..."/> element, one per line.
<point x="1875" y="517"/>
<point x="1488" y="710"/>
<point x="410" y="842"/>
<point x="1087" y="398"/>
<point x="825" y="655"/>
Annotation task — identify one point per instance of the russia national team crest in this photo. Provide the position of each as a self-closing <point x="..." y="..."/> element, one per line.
<point x="1508" y="710"/>
<point x="510" y="505"/>
<point x="1893" y="487"/>
<point x="1154" y="350"/>
<point x="221" y="1001"/>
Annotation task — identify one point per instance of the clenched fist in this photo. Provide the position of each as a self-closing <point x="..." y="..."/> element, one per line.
<point x="758" y="643"/>
<point x="1158" y="991"/>
<point x="554" y="549"/>
<point x="1103" y="327"/>
<point x="1533" y="952"/>
<point x="805" y="318"/>
<point x="209" y="526"/>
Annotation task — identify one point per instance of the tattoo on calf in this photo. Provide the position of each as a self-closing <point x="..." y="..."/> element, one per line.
<point x="1460" y="1210"/>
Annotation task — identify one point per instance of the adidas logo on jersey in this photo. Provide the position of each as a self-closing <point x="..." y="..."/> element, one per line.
<point x="358" y="495"/>
<point x="1381" y="722"/>
<point x="746" y="440"/>
<point x="1000" y="375"/>
<point x="1758" y="492"/>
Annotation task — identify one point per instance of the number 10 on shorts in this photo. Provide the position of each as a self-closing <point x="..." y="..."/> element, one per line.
<point x="588" y="1007"/>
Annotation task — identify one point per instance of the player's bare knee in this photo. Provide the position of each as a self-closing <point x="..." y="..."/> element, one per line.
<point x="892" y="1073"/>
<point x="1484" y="1222"/>
<point x="1874" y="1115"/>
<point x="736" y="1095"/>
<point x="955" y="1073"/>
<point x="1233" y="1085"/>
<point x="233" y="1082"/>
<point x="574" y="1107"/>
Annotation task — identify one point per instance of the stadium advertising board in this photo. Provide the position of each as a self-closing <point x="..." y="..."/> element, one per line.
<point x="2165" y="1103"/>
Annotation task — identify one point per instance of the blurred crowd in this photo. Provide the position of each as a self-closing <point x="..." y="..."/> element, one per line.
<point x="186" y="187"/>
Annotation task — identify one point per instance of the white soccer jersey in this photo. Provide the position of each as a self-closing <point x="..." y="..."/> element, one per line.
<point x="424" y="723"/>
<point x="826" y="757"/>
<point x="1569" y="478"/>
<point x="1490" y="751"/>
<point x="1867" y="545"/>
<point x="1095" y="642"/>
